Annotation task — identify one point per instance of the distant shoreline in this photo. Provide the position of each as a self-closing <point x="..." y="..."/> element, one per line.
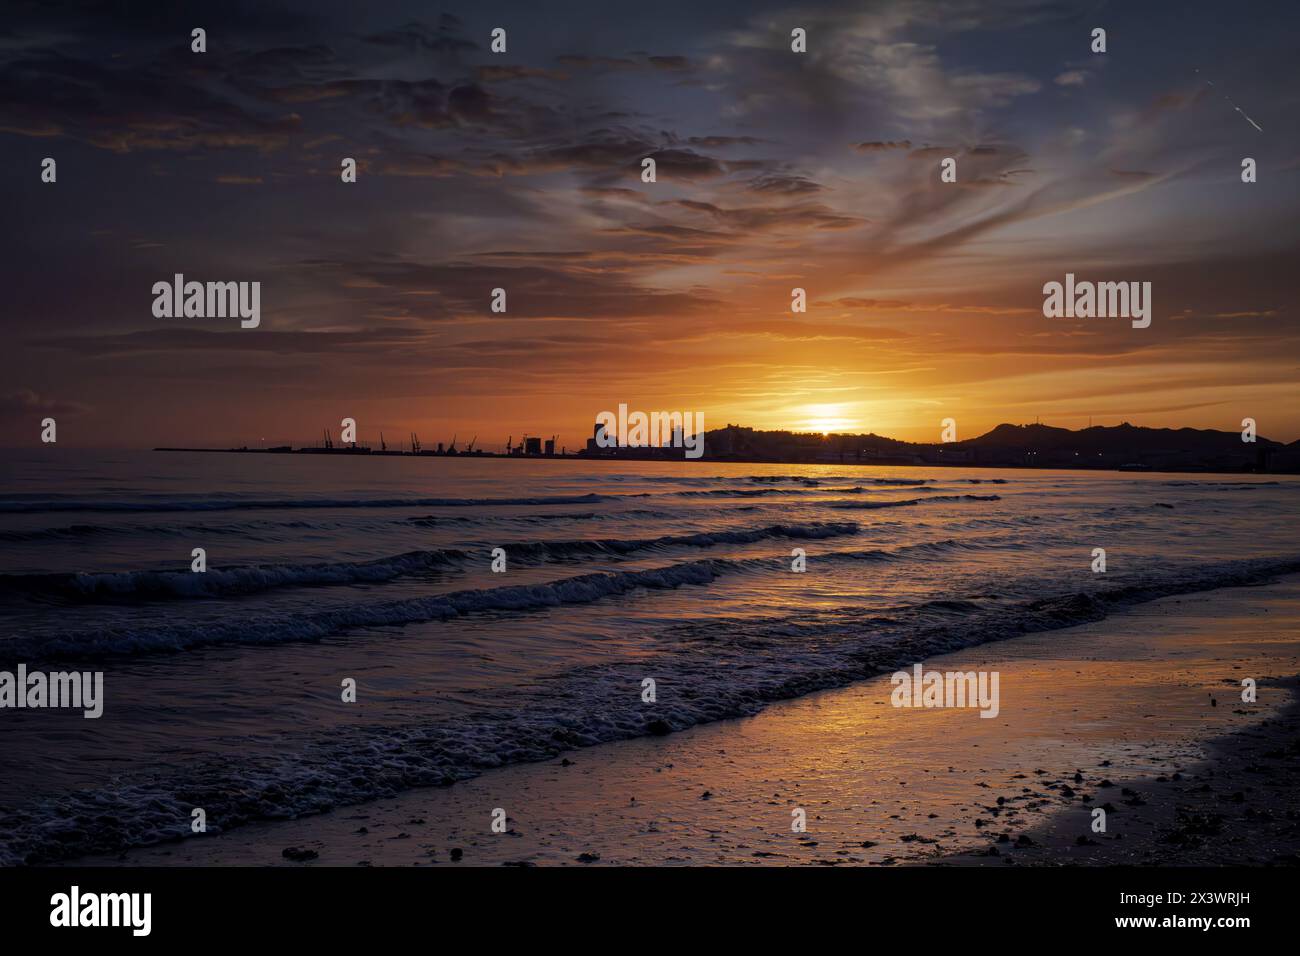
<point x="615" y="459"/>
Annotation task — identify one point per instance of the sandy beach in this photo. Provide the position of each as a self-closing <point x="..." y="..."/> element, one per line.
<point x="1141" y="714"/>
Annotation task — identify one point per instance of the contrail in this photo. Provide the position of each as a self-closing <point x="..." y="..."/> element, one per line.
<point x="1232" y="104"/>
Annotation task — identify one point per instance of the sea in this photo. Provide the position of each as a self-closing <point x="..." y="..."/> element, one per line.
<point x="366" y="625"/>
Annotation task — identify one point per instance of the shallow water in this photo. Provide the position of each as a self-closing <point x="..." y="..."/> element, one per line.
<point x="223" y="689"/>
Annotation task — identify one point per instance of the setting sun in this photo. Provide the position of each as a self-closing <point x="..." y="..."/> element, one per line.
<point x="823" y="418"/>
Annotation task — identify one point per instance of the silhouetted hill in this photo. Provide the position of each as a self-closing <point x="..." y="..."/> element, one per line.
<point x="1137" y="443"/>
<point x="1044" y="446"/>
<point x="1287" y="458"/>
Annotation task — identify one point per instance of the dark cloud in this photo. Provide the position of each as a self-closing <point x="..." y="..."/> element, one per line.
<point x="753" y="219"/>
<point x="619" y="193"/>
<point x="686" y="164"/>
<point x="669" y="62"/>
<point x="721" y="142"/>
<point x="880" y="146"/>
<point x="799" y="331"/>
<point x="124" y="108"/>
<point x="416" y="37"/>
<point x="24" y="404"/>
<point x="493" y="73"/>
<point x="597" y="62"/>
<point x="784" y="185"/>
<point x="278" y="62"/>
<point x="534" y="291"/>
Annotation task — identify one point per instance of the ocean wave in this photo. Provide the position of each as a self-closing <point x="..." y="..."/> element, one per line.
<point x="98" y="585"/>
<point x="306" y="627"/>
<point x="816" y="482"/>
<point x="807" y="480"/>
<point x="1226" y="484"/>
<point x="74" y="532"/>
<point x="907" y="502"/>
<point x="17" y="505"/>
<point x="316" y="625"/>
<point x="788" y="492"/>
<point x="21" y="506"/>
<point x="731" y="671"/>
<point x="257" y="530"/>
<point x="231" y="581"/>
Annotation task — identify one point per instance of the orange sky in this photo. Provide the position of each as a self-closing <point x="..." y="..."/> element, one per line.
<point x="775" y="170"/>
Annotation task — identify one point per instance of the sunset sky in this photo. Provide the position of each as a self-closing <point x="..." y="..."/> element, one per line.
<point x="522" y="171"/>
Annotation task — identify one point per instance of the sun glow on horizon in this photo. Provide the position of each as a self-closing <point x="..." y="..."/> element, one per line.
<point x="825" y="419"/>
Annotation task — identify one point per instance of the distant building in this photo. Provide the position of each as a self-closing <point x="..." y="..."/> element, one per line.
<point x="532" y="446"/>
<point x="732" y="440"/>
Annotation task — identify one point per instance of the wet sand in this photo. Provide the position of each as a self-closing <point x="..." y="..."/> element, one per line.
<point x="1147" y="701"/>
